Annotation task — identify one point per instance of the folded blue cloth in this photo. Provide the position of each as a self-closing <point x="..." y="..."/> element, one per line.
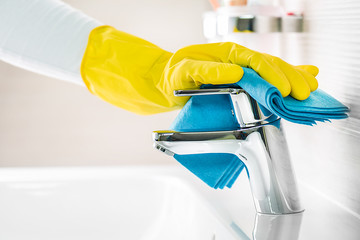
<point x="214" y="113"/>
<point x="318" y="107"/>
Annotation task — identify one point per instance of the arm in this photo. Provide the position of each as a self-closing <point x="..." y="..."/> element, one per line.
<point x="45" y="36"/>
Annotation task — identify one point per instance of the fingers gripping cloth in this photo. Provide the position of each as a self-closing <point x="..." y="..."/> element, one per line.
<point x="215" y="113"/>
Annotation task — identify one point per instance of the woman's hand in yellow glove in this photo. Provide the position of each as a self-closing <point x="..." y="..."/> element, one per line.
<point x="136" y="75"/>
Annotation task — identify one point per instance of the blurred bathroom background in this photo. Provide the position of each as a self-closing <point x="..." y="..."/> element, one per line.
<point x="47" y="122"/>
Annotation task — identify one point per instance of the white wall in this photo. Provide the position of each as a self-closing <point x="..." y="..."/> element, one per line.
<point x="327" y="156"/>
<point x="47" y="122"/>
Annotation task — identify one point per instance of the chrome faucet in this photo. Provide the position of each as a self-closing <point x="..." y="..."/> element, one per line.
<point x="259" y="143"/>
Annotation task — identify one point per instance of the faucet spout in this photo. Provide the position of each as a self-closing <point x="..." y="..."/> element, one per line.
<point x="263" y="151"/>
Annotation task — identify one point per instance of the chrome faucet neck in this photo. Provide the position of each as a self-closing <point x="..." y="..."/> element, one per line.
<point x="259" y="143"/>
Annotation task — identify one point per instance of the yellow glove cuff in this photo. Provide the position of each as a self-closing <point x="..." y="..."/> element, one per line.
<point x="119" y="68"/>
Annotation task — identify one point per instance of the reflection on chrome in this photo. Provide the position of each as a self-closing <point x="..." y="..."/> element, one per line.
<point x="277" y="227"/>
<point x="273" y="227"/>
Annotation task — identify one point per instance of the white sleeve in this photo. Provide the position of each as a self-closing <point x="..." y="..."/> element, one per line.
<point x="44" y="36"/>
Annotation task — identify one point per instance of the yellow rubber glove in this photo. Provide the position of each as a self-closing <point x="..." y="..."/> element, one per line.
<point x="138" y="76"/>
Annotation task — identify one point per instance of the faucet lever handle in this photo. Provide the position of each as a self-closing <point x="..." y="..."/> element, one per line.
<point x="245" y="108"/>
<point x="208" y="91"/>
<point x="234" y="96"/>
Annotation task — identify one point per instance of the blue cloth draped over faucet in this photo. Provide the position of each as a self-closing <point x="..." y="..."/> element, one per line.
<point x="214" y="113"/>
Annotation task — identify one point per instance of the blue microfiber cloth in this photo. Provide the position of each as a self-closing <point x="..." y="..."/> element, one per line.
<point x="206" y="113"/>
<point x="320" y="106"/>
<point x="214" y="113"/>
<point x="209" y="113"/>
<point x="216" y="169"/>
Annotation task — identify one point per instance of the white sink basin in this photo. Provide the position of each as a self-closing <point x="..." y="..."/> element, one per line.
<point x="103" y="203"/>
<point x="152" y="203"/>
